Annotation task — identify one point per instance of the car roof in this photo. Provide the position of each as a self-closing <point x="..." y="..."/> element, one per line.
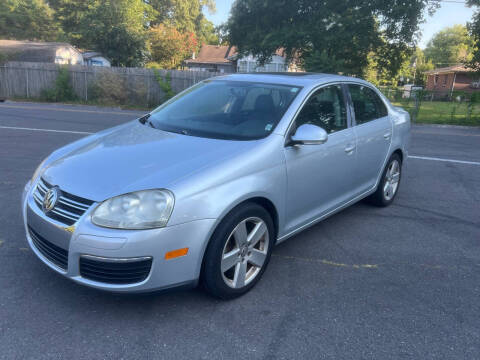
<point x="289" y="78"/>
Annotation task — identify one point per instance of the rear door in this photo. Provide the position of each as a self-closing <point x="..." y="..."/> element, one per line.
<point x="373" y="130"/>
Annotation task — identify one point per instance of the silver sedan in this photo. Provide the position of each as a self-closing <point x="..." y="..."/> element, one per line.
<point x="203" y="187"/>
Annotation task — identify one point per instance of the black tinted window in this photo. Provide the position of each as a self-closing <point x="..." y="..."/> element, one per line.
<point x="367" y="104"/>
<point x="325" y="108"/>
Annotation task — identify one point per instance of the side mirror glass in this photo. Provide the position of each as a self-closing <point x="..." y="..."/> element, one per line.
<point x="309" y="134"/>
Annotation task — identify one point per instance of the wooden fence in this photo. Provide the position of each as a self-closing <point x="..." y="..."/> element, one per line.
<point x="28" y="80"/>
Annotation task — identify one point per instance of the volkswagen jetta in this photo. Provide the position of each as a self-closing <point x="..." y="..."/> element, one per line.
<point x="203" y="187"/>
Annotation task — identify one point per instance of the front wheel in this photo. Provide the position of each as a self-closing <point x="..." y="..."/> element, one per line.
<point x="389" y="183"/>
<point x="238" y="252"/>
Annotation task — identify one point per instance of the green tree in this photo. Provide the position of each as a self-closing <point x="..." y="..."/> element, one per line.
<point x="169" y="47"/>
<point x="27" y="20"/>
<point x="206" y="32"/>
<point x="474" y="31"/>
<point x="450" y="46"/>
<point x="70" y="15"/>
<point x="329" y="35"/>
<point x="221" y="32"/>
<point x="413" y="69"/>
<point x="178" y="29"/>
<point x="186" y="16"/>
<point x="118" y="29"/>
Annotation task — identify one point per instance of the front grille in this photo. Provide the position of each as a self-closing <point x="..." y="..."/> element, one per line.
<point x="68" y="209"/>
<point x="122" y="272"/>
<point x="52" y="252"/>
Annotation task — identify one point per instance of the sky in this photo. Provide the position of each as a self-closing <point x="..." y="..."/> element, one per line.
<point x="449" y="14"/>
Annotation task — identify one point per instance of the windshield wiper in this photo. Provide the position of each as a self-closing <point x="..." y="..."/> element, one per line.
<point x="177" y="131"/>
<point x="145" y="120"/>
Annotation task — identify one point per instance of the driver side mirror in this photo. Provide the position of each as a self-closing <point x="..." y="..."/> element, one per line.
<point x="309" y="134"/>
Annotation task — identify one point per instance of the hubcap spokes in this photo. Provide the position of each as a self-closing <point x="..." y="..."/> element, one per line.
<point x="245" y="252"/>
<point x="392" y="178"/>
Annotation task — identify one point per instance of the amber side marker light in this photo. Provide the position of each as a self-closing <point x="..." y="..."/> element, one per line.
<point x="176" y="253"/>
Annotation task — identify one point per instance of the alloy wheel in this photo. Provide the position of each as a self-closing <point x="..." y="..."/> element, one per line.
<point x="245" y="252"/>
<point x="392" y="179"/>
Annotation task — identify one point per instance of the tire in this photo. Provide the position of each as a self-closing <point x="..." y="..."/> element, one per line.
<point x="382" y="196"/>
<point x="230" y="255"/>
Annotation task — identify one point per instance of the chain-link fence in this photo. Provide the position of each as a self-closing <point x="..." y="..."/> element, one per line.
<point x="437" y="107"/>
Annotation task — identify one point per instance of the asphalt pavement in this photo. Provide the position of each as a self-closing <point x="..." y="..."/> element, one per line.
<point x="401" y="282"/>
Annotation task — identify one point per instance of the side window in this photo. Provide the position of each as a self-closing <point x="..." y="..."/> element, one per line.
<point x="325" y="108"/>
<point x="367" y="104"/>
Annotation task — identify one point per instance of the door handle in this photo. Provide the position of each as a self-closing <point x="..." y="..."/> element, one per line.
<point x="349" y="149"/>
<point x="387" y="135"/>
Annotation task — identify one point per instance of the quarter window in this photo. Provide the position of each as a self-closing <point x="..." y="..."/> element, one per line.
<point x="367" y="104"/>
<point x="325" y="108"/>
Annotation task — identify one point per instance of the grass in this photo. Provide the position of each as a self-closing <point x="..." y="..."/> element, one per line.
<point x="443" y="112"/>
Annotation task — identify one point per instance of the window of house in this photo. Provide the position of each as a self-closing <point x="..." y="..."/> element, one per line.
<point x="435" y="79"/>
<point x="445" y="77"/>
<point x="271" y="67"/>
<point x="242" y="66"/>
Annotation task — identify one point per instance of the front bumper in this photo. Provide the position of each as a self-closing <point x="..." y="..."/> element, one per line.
<point x="86" y="240"/>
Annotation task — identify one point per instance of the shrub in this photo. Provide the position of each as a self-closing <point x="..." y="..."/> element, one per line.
<point x="475" y="98"/>
<point x="62" y="91"/>
<point x="165" y="84"/>
<point x="3" y="58"/>
<point x="109" y="88"/>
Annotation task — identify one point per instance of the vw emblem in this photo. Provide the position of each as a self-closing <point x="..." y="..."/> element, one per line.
<point x="50" y="199"/>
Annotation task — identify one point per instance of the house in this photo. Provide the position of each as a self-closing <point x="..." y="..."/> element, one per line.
<point x="92" y="58"/>
<point x="217" y="58"/>
<point x="278" y="63"/>
<point x="45" y="52"/>
<point x="453" y="78"/>
<point x="213" y="58"/>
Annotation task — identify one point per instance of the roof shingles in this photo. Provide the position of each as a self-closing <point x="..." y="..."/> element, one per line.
<point x="214" y="54"/>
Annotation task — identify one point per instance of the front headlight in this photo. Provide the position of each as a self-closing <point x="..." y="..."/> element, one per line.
<point x="146" y="209"/>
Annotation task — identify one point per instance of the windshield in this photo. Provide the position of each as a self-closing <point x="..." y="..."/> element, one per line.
<point x="223" y="109"/>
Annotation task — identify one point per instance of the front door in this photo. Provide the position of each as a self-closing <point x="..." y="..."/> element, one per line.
<point x="320" y="177"/>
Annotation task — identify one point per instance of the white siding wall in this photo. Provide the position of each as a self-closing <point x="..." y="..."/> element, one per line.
<point x="68" y="55"/>
<point x="249" y="64"/>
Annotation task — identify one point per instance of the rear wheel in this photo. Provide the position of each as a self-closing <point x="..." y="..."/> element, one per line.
<point x="389" y="183"/>
<point x="238" y="252"/>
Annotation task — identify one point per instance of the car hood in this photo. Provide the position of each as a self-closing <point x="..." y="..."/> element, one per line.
<point x="135" y="157"/>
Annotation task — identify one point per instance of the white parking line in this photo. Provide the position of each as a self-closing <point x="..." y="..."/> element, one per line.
<point x="444" y="160"/>
<point x="89" y="133"/>
<point x="49" y="108"/>
<point x="46" y="130"/>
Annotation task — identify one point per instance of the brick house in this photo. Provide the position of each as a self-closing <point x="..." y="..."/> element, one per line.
<point x="453" y="78"/>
